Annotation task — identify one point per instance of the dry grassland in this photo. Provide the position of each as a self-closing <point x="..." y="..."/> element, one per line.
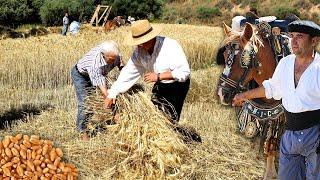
<point x="36" y="71"/>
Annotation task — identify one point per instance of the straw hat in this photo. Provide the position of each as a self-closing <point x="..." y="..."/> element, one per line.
<point x="141" y="32"/>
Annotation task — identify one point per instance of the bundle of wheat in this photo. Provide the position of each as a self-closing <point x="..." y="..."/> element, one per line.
<point x="29" y="157"/>
<point x="142" y="144"/>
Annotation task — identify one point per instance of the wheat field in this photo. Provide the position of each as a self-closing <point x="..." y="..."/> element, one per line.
<point x="35" y="76"/>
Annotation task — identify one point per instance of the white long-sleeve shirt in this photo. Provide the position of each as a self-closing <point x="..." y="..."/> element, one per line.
<point x="65" y="20"/>
<point x="304" y="97"/>
<point x="167" y="55"/>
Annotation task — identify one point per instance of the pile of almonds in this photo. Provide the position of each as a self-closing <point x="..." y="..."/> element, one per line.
<point x="24" y="157"/>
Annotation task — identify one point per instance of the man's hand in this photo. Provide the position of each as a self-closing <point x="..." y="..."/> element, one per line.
<point x="108" y="102"/>
<point x="151" y="77"/>
<point x="239" y="99"/>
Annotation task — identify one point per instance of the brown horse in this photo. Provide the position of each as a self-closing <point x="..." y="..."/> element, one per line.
<point x="249" y="58"/>
<point x="110" y="25"/>
<point x="113" y="24"/>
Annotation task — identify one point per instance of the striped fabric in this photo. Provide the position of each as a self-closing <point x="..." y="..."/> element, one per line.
<point x="94" y="66"/>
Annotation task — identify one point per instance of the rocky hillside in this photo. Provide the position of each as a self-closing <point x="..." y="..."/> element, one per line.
<point x="216" y="11"/>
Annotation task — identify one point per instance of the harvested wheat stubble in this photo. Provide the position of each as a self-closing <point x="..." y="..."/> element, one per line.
<point x="24" y="157"/>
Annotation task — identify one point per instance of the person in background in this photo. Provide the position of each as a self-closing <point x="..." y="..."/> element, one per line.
<point x="90" y="72"/>
<point x="74" y="27"/>
<point x="65" y="23"/>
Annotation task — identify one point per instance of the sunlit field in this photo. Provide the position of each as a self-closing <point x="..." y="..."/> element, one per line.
<point x="35" y="77"/>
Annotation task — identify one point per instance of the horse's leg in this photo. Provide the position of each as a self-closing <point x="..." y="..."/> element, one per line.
<point x="271" y="172"/>
<point x="270" y="147"/>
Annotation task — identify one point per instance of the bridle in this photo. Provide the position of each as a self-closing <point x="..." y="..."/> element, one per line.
<point x="248" y="59"/>
<point x="247" y="62"/>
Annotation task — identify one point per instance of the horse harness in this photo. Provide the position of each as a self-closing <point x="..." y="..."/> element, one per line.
<point x="249" y="56"/>
<point x="253" y="115"/>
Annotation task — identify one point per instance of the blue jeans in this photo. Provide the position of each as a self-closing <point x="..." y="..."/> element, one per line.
<point x="298" y="158"/>
<point x="83" y="88"/>
<point x="64" y="30"/>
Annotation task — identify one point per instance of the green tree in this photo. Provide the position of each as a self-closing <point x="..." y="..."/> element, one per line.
<point x="139" y="9"/>
<point x="53" y="11"/>
<point x="14" y="12"/>
<point x="35" y="5"/>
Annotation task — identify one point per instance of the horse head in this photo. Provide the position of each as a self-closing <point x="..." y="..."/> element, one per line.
<point x="248" y="57"/>
<point x="110" y="25"/>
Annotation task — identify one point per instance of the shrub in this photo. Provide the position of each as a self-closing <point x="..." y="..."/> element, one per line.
<point x="170" y="15"/>
<point x="251" y="3"/>
<point x="237" y="2"/>
<point x="302" y="4"/>
<point x="14" y="12"/>
<point x="53" y="11"/>
<point x="138" y="8"/>
<point x="35" y="5"/>
<point x="207" y="12"/>
<point x="224" y="4"/>
<point x="316" y="2"/>
<point x="281" y="12"/>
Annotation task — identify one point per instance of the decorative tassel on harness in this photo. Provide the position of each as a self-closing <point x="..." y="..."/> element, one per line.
<point x="266" y="120"/>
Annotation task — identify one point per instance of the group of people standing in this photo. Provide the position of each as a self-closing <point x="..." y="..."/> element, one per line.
<point x="73" y="27"/>
<point x="161" y="61"/>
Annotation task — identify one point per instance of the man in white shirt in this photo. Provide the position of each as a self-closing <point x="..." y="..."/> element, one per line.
<point x="89" y="73"/>
<point x="296" y="81"/>
<point x="65" y="23"/>
<point x="160" y="60"/>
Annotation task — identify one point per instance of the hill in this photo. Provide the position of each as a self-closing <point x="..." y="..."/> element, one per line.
<point x="216" y="11"/>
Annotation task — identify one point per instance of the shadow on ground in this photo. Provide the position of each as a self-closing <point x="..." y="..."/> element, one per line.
<point x="6" y="32"/>
<point x="8" y="117"/>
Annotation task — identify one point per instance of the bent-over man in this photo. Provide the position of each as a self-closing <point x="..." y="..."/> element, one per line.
<point x="90" y="72"/>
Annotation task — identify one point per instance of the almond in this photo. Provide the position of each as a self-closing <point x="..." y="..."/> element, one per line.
<point x="15" y="152"/>
<point x="51" y="166"/>
<point x="30" y="165"/>
<point x="59" y="152"/>
<point x="45" y="149"/>
<point x="6" y="142"/>
<point x="20" y="171"/>
<point x="8" y="152"/>
<point x="23" y="153"/>
<point x="53" y="154"/>
<point x="6" y="172"/>
<point x="18" y="137"/>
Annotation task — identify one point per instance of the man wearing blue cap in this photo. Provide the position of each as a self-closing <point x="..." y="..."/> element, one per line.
<point x="296" y="81"/>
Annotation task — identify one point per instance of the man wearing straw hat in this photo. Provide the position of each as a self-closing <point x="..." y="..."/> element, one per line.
<point x="90" y="72"/>
<point x="296" y="81"/>
<point x="160" y="60"/>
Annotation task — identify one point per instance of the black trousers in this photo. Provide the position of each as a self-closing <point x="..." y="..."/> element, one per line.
<point x="169" y="97"/>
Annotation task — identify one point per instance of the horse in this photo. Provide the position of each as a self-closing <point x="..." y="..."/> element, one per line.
<point x="114" y="23"/>
<point x="110" y="25"/>
<point x="250" y="57"/>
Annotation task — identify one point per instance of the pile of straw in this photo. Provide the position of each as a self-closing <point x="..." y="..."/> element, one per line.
<point x="142" y="144"/>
